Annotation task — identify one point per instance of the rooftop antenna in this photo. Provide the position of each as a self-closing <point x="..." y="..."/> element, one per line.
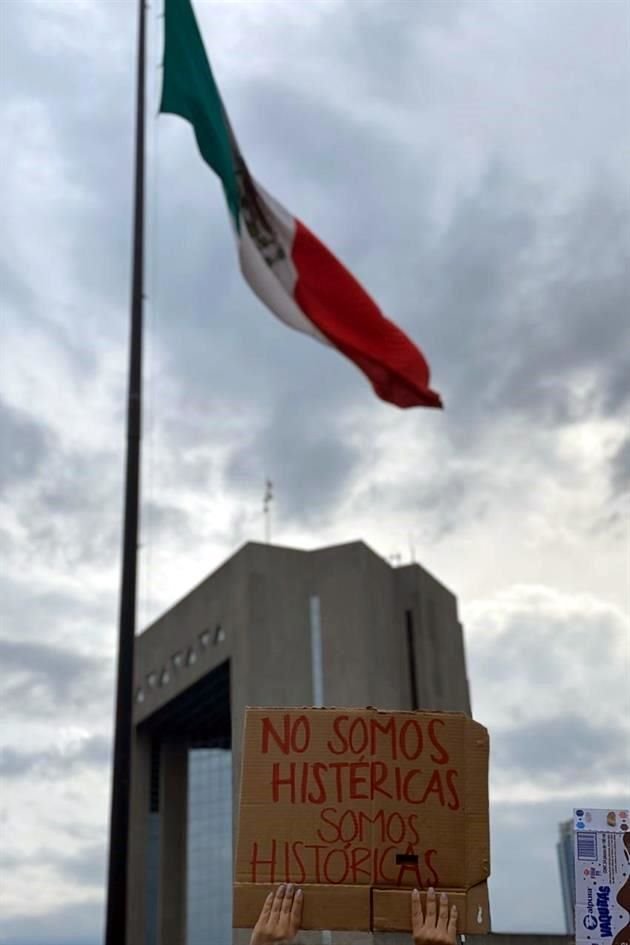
<point x="267" y="500"/>
<point x="412" y="549"/>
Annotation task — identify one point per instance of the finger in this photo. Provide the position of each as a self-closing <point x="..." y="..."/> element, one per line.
<point x="452" y="924"/>
<point x="442" y="921"/>
<point x="295" y="919"/>
<point x="277" y="902"/>
<point x="266" y="909"/>
<point x="416" y="912"/>
<point x="287" y="902"/>
<point x="431" y="908"/>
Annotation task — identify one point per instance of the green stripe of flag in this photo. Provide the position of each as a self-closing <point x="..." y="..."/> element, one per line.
<point x="189" y="90"/>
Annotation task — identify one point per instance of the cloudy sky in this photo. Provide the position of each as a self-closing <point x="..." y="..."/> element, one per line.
<point x="468" y="160"/>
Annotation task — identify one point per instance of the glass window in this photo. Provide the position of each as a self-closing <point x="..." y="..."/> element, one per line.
<point x="209" y="893"/>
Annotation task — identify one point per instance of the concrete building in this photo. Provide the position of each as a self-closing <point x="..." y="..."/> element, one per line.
<point x="566" y="865"/>
<point x="272" y="626"/>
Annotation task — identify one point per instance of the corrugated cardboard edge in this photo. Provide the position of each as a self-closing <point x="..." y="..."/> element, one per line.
<point x="477" y="821"/>
<point x="343" y="908"/>
<point x="363" y="908"/>
<point x="356" y="708"/>
<point x="391" y="909"/>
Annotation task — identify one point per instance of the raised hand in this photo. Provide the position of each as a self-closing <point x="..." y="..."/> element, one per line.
<point x="280" y="917"/>
<point x="438" y="925"/>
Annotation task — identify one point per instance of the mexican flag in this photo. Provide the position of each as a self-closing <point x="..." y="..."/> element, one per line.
<point x="285" y="264"/>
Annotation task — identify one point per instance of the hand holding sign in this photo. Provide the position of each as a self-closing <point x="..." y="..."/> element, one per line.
<point x="280" y="918"/>
<point x="437" y="926"/>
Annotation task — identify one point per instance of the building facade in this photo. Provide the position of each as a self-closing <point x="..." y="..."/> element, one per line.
<point x="272" y="626"/>
<point x="566" y="865"/>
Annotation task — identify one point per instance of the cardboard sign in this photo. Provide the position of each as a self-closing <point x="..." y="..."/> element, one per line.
<point x="602" y="877"/>
<point x="359" y="806"/>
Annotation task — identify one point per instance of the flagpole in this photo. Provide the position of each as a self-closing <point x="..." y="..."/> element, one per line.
<point x="116" y="914"/>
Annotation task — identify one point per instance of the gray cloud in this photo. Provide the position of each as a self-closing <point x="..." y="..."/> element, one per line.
<point x="620" y="469"/>
<point x="168" y="520"/>
<point x="85" y="868"/>
<point x="91" y="752"/>
<point x="552" y="672"/>
<point x="534" y="303"/>
<point x="70" y="517"/>
<point x="76" y="922"/>
<point x="310" y="463"/>
<point x="562" y="749"/>
<point x="97" y="198"/>
<point x="52" y="610"/>
<point x="25" y="445"/>
<point x="27" y="304"/>
<point x="383" y="41"/>
<point x="40" y="677"/>
<point x="444" y="502"/>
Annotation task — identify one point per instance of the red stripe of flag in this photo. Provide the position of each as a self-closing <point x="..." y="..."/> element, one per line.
<point x="342" y="310"/>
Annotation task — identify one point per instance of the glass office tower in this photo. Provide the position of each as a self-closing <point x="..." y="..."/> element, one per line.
<point x="209" y="855"/>
<point x="566" y="863"/>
